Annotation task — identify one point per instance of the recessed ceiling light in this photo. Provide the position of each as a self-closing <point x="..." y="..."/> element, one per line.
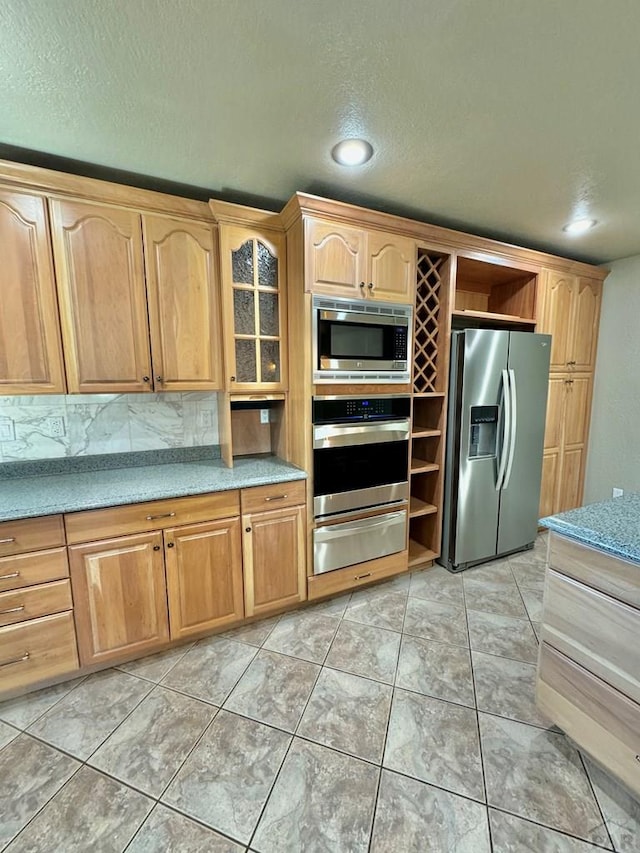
<point x="579" y="226"/>
<point x="352" y="152"/>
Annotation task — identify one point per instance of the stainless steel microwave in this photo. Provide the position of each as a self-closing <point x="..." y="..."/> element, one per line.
<point x="361" y="341"/>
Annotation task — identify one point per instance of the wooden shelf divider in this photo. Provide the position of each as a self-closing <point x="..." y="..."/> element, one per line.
<point x="418" y="507"/>
<point x="421" y="466"/>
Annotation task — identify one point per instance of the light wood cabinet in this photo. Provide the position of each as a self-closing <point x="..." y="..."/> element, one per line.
<point x="184" y="308"/>
<point x="352" y="263"/>
<point x="204" y="576"/>
<point x="273" y="547"/>
<point x="120" y="597"/>
<point x="37" y="650"/>
<point x="571" y="314"/>
<point x="101" y="288"/>
<point x="30" y="346"/>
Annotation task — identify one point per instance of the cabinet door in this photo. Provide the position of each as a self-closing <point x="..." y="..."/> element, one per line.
<point x="30" y="347"/>
<point x="571" y="478"/>
<point x="558" y="317"/>
<point x="588" y="295"/>
<point x="577" y="410"/>
<point x="184" y="308"/>
<point x="120" y="597"/>
<point x="555" y="406"/>
<point x="335" y="259"/>
<point x="392" y="267"/>
<point x="101" y="288"/>
<point x="204" y="576"/>
<point x="253" y="276"/>
<point x="273" y="547"/>
<point x="549" y="487"/>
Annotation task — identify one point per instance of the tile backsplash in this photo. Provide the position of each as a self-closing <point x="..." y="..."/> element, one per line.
<point x="50" y="426"/>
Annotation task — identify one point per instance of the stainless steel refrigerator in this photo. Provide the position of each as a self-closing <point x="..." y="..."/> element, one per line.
<point x="495" y="438"/>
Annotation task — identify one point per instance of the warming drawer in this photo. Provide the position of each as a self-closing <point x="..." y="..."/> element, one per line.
<point x="351" y="542"/>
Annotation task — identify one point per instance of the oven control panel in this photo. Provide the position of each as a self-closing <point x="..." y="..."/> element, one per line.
<point x="351" y="409"/>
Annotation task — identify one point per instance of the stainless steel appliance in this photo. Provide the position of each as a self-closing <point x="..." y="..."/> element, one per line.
<point x="360" y="341"/>
<point x="495" y="435"/>
<point x="360" y="466"/>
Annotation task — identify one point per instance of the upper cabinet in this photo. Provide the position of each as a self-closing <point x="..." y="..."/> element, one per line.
<point x="30" y="348"/>
<point x="101" y="286"/>
<point x="124" y="331"/>
<point x="571" y="314"/>
<point x="353" y="263"/>
<point x="184" y="309"/>
<point x="253" y="275"/>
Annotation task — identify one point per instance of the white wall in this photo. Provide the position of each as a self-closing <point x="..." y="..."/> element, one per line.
<point x="614" y="444"/>
<point x="105" y="423"/>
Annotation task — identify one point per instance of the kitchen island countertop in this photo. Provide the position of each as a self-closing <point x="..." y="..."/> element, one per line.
<point x="612" y="525"/>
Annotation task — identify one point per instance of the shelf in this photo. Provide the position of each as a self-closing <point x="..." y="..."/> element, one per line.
<point x="508" y="319"/>
<point x="420" y="466"/>
<point x="427" y="394"/>
<point x="419" y="554"/>
<point x="423" y="432"/>
<point x="418" y="507"/>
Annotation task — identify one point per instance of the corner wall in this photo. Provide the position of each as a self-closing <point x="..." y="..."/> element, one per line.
<point x="614" y="444"/>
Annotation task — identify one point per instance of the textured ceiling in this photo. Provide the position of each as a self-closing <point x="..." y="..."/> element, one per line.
<point x="502" y="117"/>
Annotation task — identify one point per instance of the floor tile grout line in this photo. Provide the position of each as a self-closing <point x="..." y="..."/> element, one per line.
<point x="82" y="678"/>
<point x="595" y="797"/>
<point x="552" y="828"/>
<point x="269" y="794"/>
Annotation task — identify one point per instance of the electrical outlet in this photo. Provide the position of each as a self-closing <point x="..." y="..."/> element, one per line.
<point x="617" y="493"/>
<point x="7" y="429"/>
<point x="206" y="419"/>
<point x="264" y="416"/>
<point x="56" y="427"/>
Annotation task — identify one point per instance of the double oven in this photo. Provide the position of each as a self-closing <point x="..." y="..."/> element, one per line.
<point x="360" y="478"/>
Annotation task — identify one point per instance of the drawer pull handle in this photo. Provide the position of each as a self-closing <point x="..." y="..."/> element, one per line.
<point x="277" y="498"/>
<point x="361" y="577"/>
<point x="12" y="610"/>
<point x="7" y="541"/>
<point x="24" y="657"/>
<point x="162" y="515"/>
<point x="9" y="576"/>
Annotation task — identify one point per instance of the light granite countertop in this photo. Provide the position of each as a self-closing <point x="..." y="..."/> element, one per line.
<point x="612" y="526"/>
<point x="69" y="491"/>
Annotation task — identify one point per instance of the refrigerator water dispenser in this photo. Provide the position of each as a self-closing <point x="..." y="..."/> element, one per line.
<point x="483" y="431"/>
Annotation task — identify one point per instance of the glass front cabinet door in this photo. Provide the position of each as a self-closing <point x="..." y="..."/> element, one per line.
<point x="253" y="274"/>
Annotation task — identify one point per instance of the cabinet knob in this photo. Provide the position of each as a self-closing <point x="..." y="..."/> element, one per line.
<point x="370" y="285"/>
<point x="362" y="285"/>
<point x="569" y="363"/>
<point x="247" y="530"/>
<point x="146" y="379"/>
<point x="156" y="547"/>
<point x="232" y="378"/>
<point x="170" y="544"/>
<point x="158" y="378"/>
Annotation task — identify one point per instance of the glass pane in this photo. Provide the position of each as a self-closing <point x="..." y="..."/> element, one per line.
<point x="244" y="312"/>
<point x="246" y="361"/>
<point x="267" y="267"/>
<point x="269" y="314"/>
<point x="270" y="361"/>
<point x="242" y="263"/>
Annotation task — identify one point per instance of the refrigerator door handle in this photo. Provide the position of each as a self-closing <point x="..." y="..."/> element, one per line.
<point x="506" y="441"/>
<point x="514" y="426"/>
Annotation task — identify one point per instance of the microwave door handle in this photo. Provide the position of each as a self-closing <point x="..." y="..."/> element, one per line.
<point x="506" y="436"/>
<point x="514" y="427"/>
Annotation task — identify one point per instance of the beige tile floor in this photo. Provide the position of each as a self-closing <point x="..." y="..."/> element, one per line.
<point x="399" y="718"/>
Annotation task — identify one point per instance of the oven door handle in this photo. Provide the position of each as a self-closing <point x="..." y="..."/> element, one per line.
<point x="337" y="531"/>
<point x="337" y="435"/>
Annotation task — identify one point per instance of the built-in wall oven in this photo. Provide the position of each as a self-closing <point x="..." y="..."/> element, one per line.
<point x="360" y="478"/>
<point x="365" y="341"/>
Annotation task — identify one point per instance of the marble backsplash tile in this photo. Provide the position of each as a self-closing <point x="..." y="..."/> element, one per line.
<point x="104" y="423"/>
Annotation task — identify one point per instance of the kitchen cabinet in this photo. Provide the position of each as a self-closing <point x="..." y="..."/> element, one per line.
<point x="114" y="339"/>
<point x="253" y="276"/>
<point x="571" y="314"/>
<point x="120" y="597"/>
<point x="353" y="263"/>
<point x="30" y="345"/>
<point x="184" y="306"/>
<point x="204" y="576"/>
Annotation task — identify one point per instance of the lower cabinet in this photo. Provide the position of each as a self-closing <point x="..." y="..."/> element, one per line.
<point x="204" y="576"/>
<point x="273" y="548"/>
<point x="120" y="597"/>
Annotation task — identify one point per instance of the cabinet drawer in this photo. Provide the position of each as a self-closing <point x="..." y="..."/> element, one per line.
<point x="598" y="718"/>
<point x="605" y="572"/>
<point x="33" y="601"/>
<point x="28" y="569"/>
<point x="30" y="534"/>
<point x="152" y="515"/>
<point x="274" y="496"/>
<point x="595" y="630"/>
<point x="352" y="577"/>
<point x="38" y="650"/>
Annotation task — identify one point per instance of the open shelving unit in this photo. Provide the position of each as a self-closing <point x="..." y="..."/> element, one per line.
<point x="493" y="294"/>
<point x="430" y="362"/>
